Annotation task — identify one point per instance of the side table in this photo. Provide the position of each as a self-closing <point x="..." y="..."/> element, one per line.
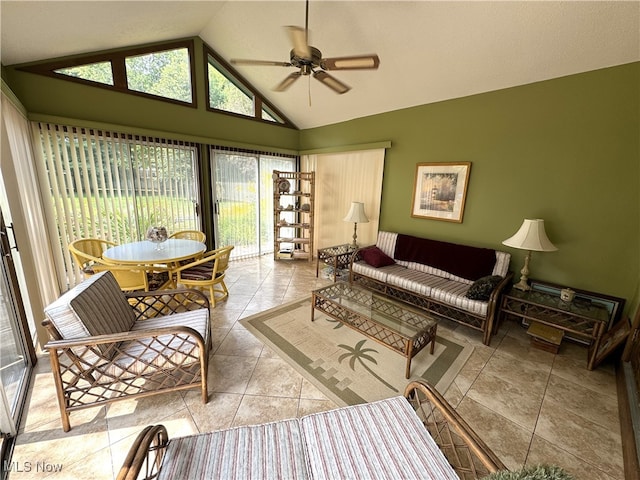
<point x="585" y="321"/>
<point x="337" y="257"/>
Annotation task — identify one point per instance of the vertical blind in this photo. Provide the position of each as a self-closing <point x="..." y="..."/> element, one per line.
<point x="342" y="178"/>
<point x="113" y="186"/>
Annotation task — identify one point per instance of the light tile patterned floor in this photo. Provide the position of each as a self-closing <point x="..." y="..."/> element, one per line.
<point x="530" y="406"/>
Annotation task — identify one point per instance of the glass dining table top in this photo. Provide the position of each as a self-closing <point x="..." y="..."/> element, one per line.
<point x="146" y="252"/>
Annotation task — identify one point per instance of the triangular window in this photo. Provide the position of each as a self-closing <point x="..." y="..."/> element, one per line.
<point x="165" y="74"/>
<point x="228" y="92"/>
<point x="99" y="72"/>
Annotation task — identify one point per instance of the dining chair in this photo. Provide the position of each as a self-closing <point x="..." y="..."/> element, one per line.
<point x="189" y="235"/>
<point x="130" y="278"/>
<point x="207" y="272"/>
<point x="87" y="252"/>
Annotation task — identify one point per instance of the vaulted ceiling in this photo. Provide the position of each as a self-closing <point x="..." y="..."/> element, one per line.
<point x="429" y="50"/>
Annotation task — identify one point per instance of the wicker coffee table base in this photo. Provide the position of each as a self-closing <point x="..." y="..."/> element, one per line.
<point x="325" y="301"/>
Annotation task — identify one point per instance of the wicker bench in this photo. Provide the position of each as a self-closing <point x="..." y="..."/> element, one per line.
<point x="416" y="436"/>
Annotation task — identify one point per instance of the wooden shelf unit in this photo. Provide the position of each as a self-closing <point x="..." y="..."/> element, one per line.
<point x="293" y="209"/>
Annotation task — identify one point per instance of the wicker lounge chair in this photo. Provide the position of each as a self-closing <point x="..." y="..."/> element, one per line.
<point x="106" y="345"/>
<point x="384" y="439"/>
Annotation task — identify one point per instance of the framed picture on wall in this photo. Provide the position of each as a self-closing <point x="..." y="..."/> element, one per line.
<point x="440" y="191"/>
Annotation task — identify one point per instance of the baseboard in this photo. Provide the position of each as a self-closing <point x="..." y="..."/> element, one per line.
<point x="630" y="448"/>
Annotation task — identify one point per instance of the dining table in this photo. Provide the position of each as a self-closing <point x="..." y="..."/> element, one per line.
<point x="170" y="252"/>
<point x="163" y="257"/>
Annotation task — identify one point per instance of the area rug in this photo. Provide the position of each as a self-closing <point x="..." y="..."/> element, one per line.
<point x="348" y="367"/>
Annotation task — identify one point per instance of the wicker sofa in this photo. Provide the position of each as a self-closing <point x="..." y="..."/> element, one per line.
<point x="459" y="282"/>
<point x="422" y="438"/>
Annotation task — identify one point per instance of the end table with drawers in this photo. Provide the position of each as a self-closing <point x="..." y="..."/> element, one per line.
<point x="337" y="257"/>
<point x="585" y="319"/>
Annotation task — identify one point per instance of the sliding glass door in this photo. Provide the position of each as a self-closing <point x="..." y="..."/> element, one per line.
<point x="243" y="196"/>
<point x="17" y="354"/>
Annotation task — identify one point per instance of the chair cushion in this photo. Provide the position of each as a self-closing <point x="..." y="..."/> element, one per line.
<point x="200" y="272"/>
<point x="163" y="352"/>
<point x="269" y="451"/>
<point x="96" y="306"/>
<point x="383" y="439"/>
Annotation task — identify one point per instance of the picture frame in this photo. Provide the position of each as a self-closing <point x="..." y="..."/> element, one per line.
<point x="609" y="342"/>
<point x="440" y="191"/>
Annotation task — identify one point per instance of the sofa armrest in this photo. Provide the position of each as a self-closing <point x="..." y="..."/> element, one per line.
<point x="166" y="302"/>
<point x="467" y="453"/>
<point x="146" y="454"/>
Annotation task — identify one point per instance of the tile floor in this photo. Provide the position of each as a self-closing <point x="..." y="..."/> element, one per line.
<point x="529" y="406"/>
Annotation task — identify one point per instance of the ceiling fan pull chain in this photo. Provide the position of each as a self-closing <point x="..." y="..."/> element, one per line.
<point x="309" y="85"/>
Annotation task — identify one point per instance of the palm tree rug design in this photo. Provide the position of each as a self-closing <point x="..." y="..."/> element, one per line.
<point x="344" y="364"/>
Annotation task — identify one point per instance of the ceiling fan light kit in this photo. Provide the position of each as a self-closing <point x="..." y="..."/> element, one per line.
<point x="310" y="62"/>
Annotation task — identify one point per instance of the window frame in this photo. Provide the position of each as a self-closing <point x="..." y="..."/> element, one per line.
<point x="118" y="69"/>
<point x="259" y="102"/>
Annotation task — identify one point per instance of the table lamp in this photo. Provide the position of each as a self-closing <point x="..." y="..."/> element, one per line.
<point x="356" y="215"/>
<point x="532" y="237"/>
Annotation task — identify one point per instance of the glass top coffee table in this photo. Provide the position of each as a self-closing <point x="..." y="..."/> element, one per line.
<point x="399" y="327"/>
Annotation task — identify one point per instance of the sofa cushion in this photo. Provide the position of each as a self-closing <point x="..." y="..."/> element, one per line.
<point x="482" y="288"/>
<point x="412" y="280"/>
<point x="380" y="274"/>
<point x="376" y="257"/>
<point x="454" y="293"/>
<point x="387" y="242"/>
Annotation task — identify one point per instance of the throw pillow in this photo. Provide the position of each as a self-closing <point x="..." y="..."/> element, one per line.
<point x="376" y="257"/>
<point x="482" y="288"/>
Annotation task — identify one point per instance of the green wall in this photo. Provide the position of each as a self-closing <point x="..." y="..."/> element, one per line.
<point x="565" y="150"/>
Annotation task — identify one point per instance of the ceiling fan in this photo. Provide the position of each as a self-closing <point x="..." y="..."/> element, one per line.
<point x="309" y="61"/>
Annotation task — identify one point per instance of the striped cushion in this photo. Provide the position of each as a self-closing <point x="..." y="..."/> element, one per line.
<point x="165" y="351"/>
<point x="502" y="264"/>
<point x="379" y="440"/>
<point x="381" y="274"/>
<point x="96" y="306"/>
<point x="387" y="242"/>
<point x="199" y="272"/>
<point x="270" y="451"/>
<point x="454" y="293"/>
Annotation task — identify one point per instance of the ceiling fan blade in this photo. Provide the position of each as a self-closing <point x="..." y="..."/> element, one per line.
<point x="287" y="82"/>
<point x="331" y="82"/>
<point x="300" y="41"/>
<point x="355" y="62"/>
<point x="241" y="61"/>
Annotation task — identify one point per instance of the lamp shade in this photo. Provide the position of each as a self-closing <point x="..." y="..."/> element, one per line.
<point x="356" y="213"/>
<point x="531" y="236"/>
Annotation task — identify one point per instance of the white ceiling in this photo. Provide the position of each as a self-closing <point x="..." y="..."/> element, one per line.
<point x="429" y="50"/>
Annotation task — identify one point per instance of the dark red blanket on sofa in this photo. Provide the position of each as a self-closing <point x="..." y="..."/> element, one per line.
<point x="463" y="261"/>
